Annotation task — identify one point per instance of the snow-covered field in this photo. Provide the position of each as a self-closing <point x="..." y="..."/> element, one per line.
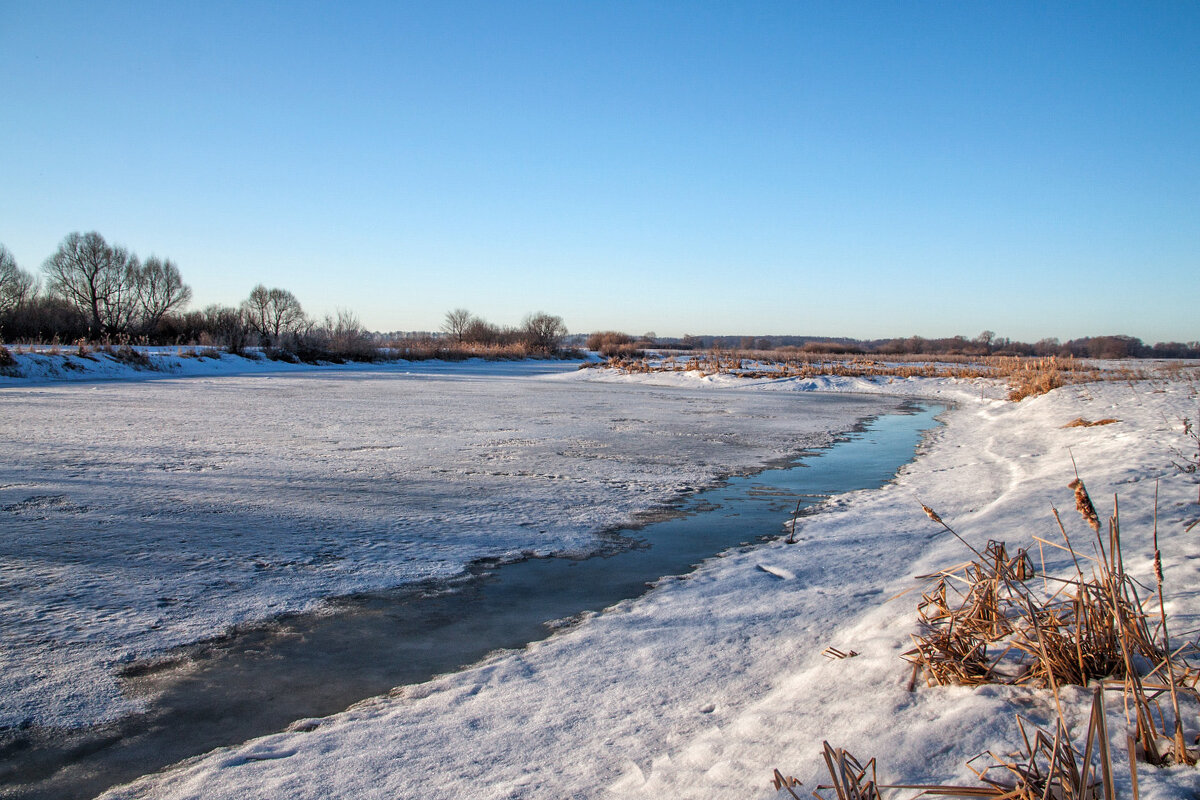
<point x="700" y="688"/>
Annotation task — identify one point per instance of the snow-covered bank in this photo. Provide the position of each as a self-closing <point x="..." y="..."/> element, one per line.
<point x="153" y="363"/>
<point x="703" y="686"/>
<point x="144" y="514"/>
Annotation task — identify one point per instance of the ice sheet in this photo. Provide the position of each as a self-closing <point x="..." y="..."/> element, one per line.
<point x="143" y="514"/>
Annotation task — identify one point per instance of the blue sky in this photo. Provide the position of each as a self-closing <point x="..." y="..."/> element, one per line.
<point x="868" y="170"/>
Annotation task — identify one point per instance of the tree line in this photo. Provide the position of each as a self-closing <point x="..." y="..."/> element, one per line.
<point x="91" y="290"/>
<point x="540" y="333"/>
<point x="94" y="291"/>
<point x="986" y="343"/>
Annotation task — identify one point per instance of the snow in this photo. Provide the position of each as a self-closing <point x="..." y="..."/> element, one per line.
<point x="704" y="685"/>
<point x="142" y="514"/>
<point x="43" y="366"/>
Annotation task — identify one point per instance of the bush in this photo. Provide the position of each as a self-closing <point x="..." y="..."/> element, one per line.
<point x="125" y="354"/>
<point x="614" y="344"/>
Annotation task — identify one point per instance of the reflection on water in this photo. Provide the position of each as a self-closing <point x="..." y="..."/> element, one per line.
<point x="260" y="680"/>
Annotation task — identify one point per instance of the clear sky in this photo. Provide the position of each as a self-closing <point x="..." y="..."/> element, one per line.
<point x="827" y="168"/>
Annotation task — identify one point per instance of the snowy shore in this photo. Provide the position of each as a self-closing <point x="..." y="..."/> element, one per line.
<point x="702" y="687"/>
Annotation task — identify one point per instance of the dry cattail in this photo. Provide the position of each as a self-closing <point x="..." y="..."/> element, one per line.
<point x="1083" y="504"/>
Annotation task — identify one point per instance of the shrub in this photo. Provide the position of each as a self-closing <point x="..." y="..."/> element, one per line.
<point x="126" y="354"/>
<point x="614" y="344"/>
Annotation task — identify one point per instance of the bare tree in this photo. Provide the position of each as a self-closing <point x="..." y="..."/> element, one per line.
<point x="348" y="338"/>
<point x="274" y="312"/>
<point x="544" y="332"/>
<point x="160" y="289"/>
<point x="457" y="322"/>
<point x="985" y="339"/>
<point x="122" y="308"/>
<point x="228" y="325"/>
<point x="480" y="331"/>
<point x="17" y="287"/>
<point x="96" y="278"/>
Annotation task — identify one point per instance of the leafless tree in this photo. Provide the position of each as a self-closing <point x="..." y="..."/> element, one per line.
<point x="98" y="279"/>
<point x="273" y="313"/>
<point x="160" y="289"/>
<point x="17" y="287"/>
<point x="228" y="325"/>
<point x="347" y="338"/>
<point x="480" y="331"/>
<point x="544" y="332"/>
<point x="457" y="322"/>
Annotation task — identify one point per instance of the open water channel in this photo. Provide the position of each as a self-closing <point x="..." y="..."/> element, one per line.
<point x="261" y="679"/>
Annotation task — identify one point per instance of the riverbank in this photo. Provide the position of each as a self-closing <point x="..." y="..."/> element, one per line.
<point x="44" y="364"/>
<point x="704" y="686"/>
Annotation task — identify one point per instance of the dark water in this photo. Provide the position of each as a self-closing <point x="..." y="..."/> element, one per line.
<point x="260" y="680"/>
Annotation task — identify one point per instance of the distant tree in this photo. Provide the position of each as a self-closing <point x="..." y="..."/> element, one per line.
<point x="1047" y="347"/>
<point x="17" y="287"/>
<point x="227" y="326"/>
<point x="613" y="343"/>
<point x="273" y="313"/>
<point x="98" y="279"/>
<point x="160" y="289"/>
<point x="1113" y="347"/>
<point x="480" y="331"/>
<point x="456" y="323"/>
<point x="543" y="332"/>
<point x="346" y="337"/>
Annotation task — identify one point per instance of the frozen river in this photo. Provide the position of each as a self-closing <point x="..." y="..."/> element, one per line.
<point x="142" y="515"/>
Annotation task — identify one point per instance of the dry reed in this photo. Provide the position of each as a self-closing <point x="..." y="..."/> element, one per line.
<point x="1046" y="766"/>
<point x="982" y="622"/>
<point x="1026" y="376"/>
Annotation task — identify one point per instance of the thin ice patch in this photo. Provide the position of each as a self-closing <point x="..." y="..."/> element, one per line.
<point x="41" y="506"/>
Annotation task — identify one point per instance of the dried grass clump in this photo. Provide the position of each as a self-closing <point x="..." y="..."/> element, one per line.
<point x="1035" y="377"/>
<point x="1046" y="766"/>
<point x="1050" y="766"/>
<point x="6" y="358"/>
<point x="982" y="623"/>
<point x="1080" y="422"/>
<point x="850" y="780"/>
<point x="126" y="354"/>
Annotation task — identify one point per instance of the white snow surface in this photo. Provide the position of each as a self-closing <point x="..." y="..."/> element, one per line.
<point x="704" y="685"/>
<point x="143" y="514"/>
<point x="700" y="688"/>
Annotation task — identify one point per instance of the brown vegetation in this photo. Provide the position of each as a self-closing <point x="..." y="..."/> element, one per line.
<point x="1046" y="766"/>
<point x="614" y="344"/>
<point x="983" y="622"/>
<point x="1027" y="377"/>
